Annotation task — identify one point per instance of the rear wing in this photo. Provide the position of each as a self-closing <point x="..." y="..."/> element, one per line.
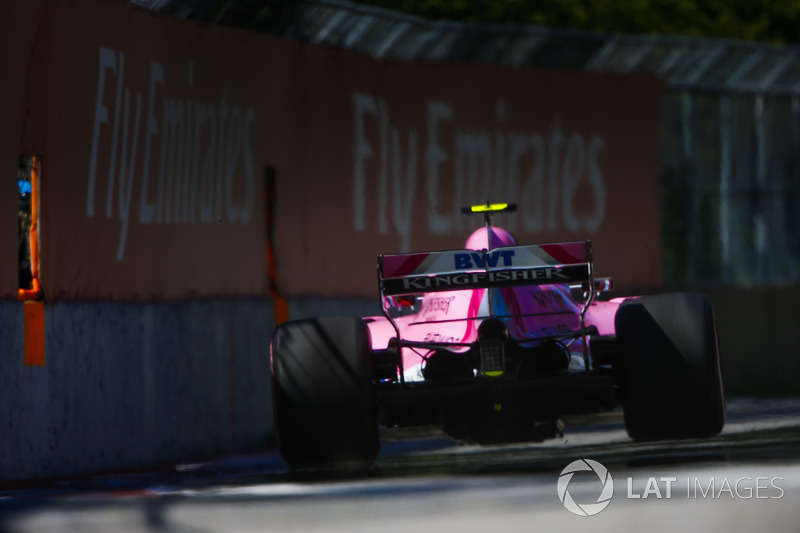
<point x="538" y="264"/>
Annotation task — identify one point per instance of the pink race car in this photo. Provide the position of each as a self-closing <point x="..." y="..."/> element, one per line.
<point x="494" y="343"/>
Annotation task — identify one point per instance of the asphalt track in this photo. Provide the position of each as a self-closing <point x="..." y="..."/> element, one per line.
<point x="746" y="479"/>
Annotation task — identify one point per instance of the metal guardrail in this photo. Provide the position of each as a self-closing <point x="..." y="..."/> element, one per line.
<point x="730" y="151"/>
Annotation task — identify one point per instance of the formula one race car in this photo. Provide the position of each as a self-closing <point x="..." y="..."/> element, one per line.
<point x="494" y="343"/>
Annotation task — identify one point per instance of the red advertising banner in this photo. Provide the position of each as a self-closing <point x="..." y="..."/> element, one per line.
<point x="153" y="141"/>
<point x="155" y="135"/>
<point x="393" y="150"/>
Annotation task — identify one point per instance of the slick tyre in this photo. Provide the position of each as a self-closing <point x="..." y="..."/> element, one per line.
<point x="670" y="369"/>
<point x="324" y="407"/>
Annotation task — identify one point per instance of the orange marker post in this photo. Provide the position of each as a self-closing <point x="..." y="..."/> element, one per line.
<point x="33" y="311"/>
<point x="33" y="307"/>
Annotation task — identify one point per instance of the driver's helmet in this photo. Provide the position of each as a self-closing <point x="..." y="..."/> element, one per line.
<point x="489" y="238"/>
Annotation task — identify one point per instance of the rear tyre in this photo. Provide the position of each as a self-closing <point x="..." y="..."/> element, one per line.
<point x="670" y="369"/>
<point x="324" y="407"/>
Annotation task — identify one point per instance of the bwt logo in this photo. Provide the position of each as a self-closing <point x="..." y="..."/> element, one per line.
<point x="483" y="260"/>
<point x="603" y="475"/>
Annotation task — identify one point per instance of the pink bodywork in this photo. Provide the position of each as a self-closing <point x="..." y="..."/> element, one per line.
<point x="454" y="316"/>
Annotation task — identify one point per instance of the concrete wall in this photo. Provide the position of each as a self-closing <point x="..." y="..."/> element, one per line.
<point x="759" y="330"/>
<point x="137" y="385"/>
<point x="311" y="307"/>
<point x="128" y="385"/>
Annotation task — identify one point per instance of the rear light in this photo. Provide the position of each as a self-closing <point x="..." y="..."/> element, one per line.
<point x="493" y="360"/>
